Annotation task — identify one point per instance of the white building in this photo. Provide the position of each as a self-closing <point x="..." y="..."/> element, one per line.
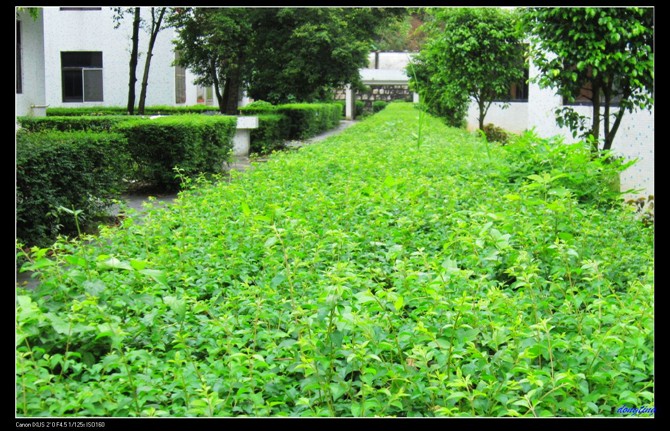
<point x="73" y="56"/>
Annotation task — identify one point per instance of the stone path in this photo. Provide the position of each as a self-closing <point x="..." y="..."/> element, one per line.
<point x="136" y="200"/>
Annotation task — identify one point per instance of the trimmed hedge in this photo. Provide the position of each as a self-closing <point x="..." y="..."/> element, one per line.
<point x="378" y="105"/>
<point x="121" y="110"/>
<point x="102" y="123"/>
<point x="305" y="119"/>
<point x="76" y="170"/>
<point x="270" y="135"/>
<point x="194" y="143"/>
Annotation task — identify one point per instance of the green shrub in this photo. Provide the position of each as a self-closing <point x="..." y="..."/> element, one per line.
<point x="495" y="134"/>
<point x="71" y="123"/>
<point x="259" y="106"/>
<point x="305" y="119"/>
<point x="121" y="110"/>
<point x="270" y="135"/>
<point x="590" y="179"/>
<point x="378" y="105"/>
<point x="193" y="143"/>
<point x="359" y="108"/>
<point x="75" y="170"/>
<point x="366" y="277"/>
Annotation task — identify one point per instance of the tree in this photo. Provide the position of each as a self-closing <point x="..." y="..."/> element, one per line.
<point x="214" y="43"/>
<point x="157" y="15"/>
<point x="134" y="53"/>
<point x="403" y="34"/>
<point x="302" y="54"/>
<point x="602" y="54"/>
<point x="476" y="52"/>
<point x="278" y="54"/>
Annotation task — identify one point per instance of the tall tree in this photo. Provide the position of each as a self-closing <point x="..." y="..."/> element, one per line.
<point x="476" y="52"/>
<point x="134" y="53"/>
<point x="304" y="53"/>
<point x="157" y="15"/>
<point x="602" y="54"/>
<point x="277" y="54"/>
<point x="214" y="43"/>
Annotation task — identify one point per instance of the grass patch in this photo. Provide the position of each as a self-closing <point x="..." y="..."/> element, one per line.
<point x="359" y="276"/>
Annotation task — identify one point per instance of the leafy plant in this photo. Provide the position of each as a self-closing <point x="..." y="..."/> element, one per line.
<point x="605" y="55"/>
<point x="195" y="143"/>
<point x="82" y="170"/>
<point x="361" y="276"/>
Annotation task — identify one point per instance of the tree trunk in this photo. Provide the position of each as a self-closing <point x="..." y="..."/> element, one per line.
<point x="132" y="79"/>
<point x="480" y="104"/>
<point x="607" y="88"/>
<point x="155" y="28"/>
<point x="233" y="88"/>
<point x="217" y="86"/>
<point x="595" y="126"/>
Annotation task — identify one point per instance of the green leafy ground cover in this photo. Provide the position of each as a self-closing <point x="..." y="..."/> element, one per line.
<point x="371" y="274"/>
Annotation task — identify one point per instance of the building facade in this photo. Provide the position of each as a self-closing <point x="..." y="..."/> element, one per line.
<point x="74" y="56"/>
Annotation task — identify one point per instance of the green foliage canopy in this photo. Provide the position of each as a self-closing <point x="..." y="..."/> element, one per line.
<point x="606" y="51"/>
<point x="470" y="53"/>
<point x="280" y="55"/>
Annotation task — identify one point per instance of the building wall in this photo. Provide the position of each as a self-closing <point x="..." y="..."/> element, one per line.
<point x="514" y="118"/>
<point x="32" y="59"/>
<point x="634" y="139"/>
<point x="390" y="60"/>
<point x="94" y="31"/>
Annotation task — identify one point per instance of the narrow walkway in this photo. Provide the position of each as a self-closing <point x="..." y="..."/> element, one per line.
<point x="244" y="163"/>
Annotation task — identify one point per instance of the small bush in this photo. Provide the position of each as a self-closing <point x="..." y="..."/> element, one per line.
<point x="590" y="179"/>
<point x="359" y="108"/>
<point x="378" y="105"/>
<point x="194" y="143"/>
<point x="70" y="123"/>
<point x="259" y="106"/>
<point x="495" y="134"/>
<point x="270" y="135"/>
<point x="75" y="170"/>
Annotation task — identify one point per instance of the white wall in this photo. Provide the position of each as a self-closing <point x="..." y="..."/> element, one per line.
<point x="94" y="31"/>
<point x="390" y="60"/>
<point x="32" y="59"/>
<point x="634" y="139"/>
<point x="514" y="118"/>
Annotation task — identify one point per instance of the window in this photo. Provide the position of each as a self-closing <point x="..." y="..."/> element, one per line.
<point x="519" y="91"/>
<point x="79" y="8"/>
<point x="19" y="71"/>
<point x="179" y="81"/>
<point x="82" y="76"/>
<point x="585" y="95"/>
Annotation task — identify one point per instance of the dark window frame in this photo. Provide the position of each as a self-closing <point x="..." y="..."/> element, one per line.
<point x="179" y="81"/>
<point x="69" y="69"/>
<point x="19" y="60"/>
<point x="68" y="9"/>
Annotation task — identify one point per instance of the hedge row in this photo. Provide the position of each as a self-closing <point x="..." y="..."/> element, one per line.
<point x="66" y="123"/>
<point x="270" y="135"/>
<point x="194" y="143"/>
<point x="85" y="170"/>
<point x="121" y="110"/>
<point x="304" y="119"/>
<point x="74" y="170"/>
